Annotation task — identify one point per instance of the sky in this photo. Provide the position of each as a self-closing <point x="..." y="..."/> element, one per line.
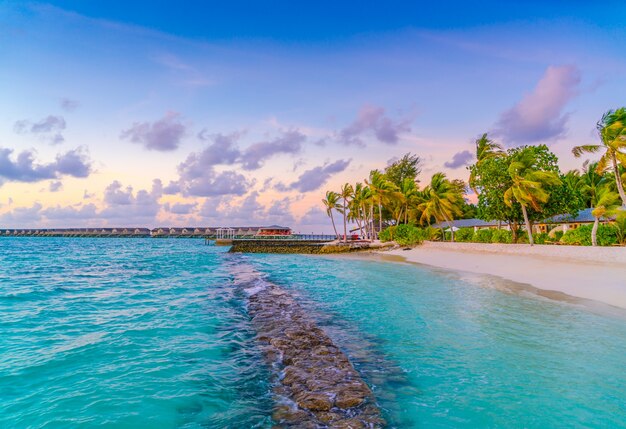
<point x="195" y="113"/>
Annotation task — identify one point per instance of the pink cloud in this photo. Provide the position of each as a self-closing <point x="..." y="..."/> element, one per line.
<point x="539" y="115"/>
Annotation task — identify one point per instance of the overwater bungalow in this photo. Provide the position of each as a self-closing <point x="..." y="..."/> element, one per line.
<point x="273" y="230"/>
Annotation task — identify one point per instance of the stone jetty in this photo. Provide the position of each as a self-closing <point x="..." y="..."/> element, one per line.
<point x="303" y="246"/>
<point x="315" y="385"/>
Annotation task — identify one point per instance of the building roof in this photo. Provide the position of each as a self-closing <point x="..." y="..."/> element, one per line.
<point x="465" y="223"/>
<point x="582" y="216"/>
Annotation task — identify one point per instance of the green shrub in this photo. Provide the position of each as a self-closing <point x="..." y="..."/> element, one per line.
<point x="501" y="236"/>
<point x="385" y="234"/>
<point x="558" y="235"/>
<point x="620" y="227"/>
<point x="522" y="237"/>
<point x="432" y="234"/>
<point x="464" y="235"/>
<point x="581" y="236"/>
<point x="483" y="235"/>
<point x="404" y="234"/>
<point x="541" y="238"/>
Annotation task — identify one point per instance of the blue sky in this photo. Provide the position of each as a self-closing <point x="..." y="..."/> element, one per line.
<point x="157" y="113"/>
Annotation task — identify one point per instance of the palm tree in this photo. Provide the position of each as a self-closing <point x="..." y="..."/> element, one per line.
<point x="590" y="182"/>
<point x="408" y="191"/>
<point x="605" y="201"/>
<point x="485" y="149"/>
<point x="528" y="186"/>
<point x="331" y="202"/>
<point x="380" y="188"/>
<point x="347" y="191"/>
<point x="441" y="200"/>
<point x="612" y="131"/>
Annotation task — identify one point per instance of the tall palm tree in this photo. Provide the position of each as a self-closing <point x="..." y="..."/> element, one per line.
<point x="331" y="202"/>
<point x="441" y="200"/>
<point x="347" y="191"/>
<point x="356" y="214"/>
<point x="528" y="186"/>
<point x="380" y="188"/>
<point x="590" y="181"/>
<point x="408" y="192"/>
<point x="485" y="149"/>
<point x="612" y="131"/>
<point x="367" y="204"/>
<point x="605" y="201"/>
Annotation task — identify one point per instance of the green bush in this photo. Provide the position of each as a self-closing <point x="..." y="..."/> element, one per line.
<point x="432" y="234"/>
<point x="501" y="236"/>
<point x="620" y="227"/>
<point x="522" y="237"/>
<point x="581" y="236"/>
<point x="464" y="235"/>
<point x="558" y="235"/>
<point x="541" y="238"/>
<point x="483" y="235"/>
<point x="385" y="234"/>
<point x="404" y="234"/>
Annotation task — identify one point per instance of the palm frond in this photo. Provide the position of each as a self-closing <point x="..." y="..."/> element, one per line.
<point x="590" y="148"/>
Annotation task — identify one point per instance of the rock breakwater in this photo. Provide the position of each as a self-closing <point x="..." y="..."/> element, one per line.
<point x="316" y="386"/>
<point x="301" y="246"/>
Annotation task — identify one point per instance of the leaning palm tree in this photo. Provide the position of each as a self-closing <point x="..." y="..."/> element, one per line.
<point x="612" y="132"/>
<point x="441" y="200"/>
<point x="528" y="186"/>
<point x="347" y="191"/>
<point x="606" y="201"/>
<point x="485" y="149"/>
<point x="331" y="202"/>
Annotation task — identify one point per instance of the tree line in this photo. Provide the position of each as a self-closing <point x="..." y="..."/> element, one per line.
<point x="517" y="187"/>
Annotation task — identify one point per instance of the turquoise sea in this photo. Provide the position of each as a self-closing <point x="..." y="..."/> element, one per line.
<point x="145" y="333"/>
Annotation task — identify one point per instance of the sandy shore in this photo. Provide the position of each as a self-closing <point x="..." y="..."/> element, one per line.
<point x="558" y="272"/>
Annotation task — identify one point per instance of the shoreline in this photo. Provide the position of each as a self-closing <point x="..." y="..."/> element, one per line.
<point x="594" y="277"/>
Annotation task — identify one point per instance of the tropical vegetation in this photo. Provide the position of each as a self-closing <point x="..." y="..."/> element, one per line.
<point x="516" y="187"/>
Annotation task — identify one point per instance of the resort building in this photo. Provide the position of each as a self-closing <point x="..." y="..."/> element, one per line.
<point x="563" y="222"/>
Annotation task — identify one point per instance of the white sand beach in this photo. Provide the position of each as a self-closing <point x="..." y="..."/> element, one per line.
<point x="594" y="273"/>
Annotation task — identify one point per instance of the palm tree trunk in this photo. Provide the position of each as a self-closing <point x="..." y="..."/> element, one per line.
<point x="513" y="229"/>
<point x="366" y="221"/>
<point x="380" y="216"/>
<point x="332" y="219"/>
<point x="618" y="181"/>
<point x="373" y="237"/>
<point x="594" y="232"/>
<point x="451" y="228"/>
<point x="399" y="217"/>
<point x="345" y="225"/>
<point x="528" y="227"/>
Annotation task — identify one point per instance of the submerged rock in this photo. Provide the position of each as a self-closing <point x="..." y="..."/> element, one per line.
<point x="316" y="386"/>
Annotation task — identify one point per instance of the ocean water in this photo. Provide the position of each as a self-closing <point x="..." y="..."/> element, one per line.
<point x="148" y="333"/>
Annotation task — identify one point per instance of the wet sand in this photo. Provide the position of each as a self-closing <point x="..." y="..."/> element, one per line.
<point x="595" y="277"/>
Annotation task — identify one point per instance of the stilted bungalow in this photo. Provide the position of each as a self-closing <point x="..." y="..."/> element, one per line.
<point x="273" y="231"/>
